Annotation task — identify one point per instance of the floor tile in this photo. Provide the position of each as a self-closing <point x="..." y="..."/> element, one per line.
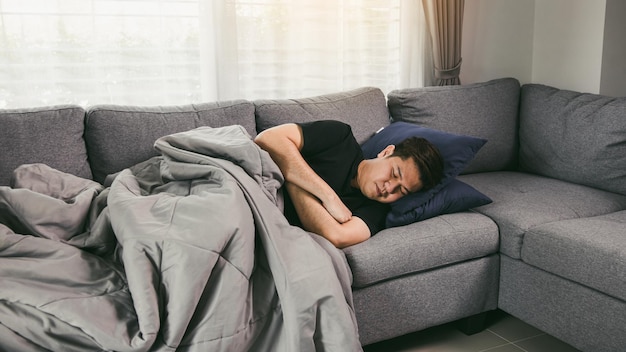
<point x="445" y="338"/>
<point x="545" y="343"/>
<point x="477" y="342"/>
<point x="506" y="348"/>
<point x="504" y="333"/>
<point x="511" y="328"/>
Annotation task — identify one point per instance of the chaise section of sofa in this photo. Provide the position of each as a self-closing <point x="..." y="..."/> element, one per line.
<point x="571" y="264"/>
<point x="563" y="249"/>
<point x="561" y="217"/>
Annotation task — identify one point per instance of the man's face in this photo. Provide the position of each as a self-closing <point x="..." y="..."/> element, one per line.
<point x="386" y="179"/>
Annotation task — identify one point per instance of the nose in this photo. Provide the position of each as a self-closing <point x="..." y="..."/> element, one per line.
<point x="392" y="186"/>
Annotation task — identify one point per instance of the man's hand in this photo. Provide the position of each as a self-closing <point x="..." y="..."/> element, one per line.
<point x="317" y="219"/>
<point x="337" y="210"/>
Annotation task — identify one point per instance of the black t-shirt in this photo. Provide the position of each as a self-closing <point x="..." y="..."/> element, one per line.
<point x="334" y="154"/>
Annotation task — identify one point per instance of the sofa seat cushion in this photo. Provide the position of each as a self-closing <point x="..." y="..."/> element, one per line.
<point x="47" y="135"/>
<point x="121" y="136"/>
<point x="364" y="109"/>
<point x="590" y="251"/>
<point x="422" y="246"/>
<point x="522" y="201"/>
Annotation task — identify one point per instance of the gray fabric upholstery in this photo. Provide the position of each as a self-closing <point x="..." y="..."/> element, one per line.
<point x="414" y="302"/>
<point x="121" y="136"/>
<point x="522" y="201"/>
<point x="583" y="317"/>
<point x="574" y="137"/>
<point x="487" y="110"/>
<point x="422" y="246"/>
<point x="49" y="135"/>
<point x="590" y="251"/>
<point x="365" y="109"/>
<point x="554" y="216"/>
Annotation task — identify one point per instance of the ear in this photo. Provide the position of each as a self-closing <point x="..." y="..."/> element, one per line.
<point x="387" y="151"/>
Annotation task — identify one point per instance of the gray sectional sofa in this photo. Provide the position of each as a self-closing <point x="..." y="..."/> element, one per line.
<point x="550" y="249"/>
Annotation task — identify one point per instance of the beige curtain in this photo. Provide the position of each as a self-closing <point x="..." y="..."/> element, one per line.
<point x="445" y="23"/>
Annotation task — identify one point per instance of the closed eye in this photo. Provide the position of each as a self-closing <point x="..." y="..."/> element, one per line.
<point x="398" y="172"/>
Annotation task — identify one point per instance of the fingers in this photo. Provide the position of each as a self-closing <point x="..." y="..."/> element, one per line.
<point x="339" y="211"/>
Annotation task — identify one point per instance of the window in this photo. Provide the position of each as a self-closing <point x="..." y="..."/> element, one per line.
<point x="326" y="45"/>
<point x="167" y="52"/>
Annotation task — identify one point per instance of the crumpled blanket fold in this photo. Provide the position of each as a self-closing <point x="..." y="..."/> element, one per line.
<point x="187" y="251"/>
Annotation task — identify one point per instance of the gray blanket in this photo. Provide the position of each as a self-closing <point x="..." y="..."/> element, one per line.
<point x="188" y="251"/>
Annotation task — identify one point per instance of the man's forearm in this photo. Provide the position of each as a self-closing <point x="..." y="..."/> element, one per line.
<point x="283" y="143"/>
<point x="315" y="218"/>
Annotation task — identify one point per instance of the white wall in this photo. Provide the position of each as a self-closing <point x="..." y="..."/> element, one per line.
<point x="613" y="81"/>
<point x="497" y="40"/>
<point x="553" y="42"/>
<point x="567" y="44"/>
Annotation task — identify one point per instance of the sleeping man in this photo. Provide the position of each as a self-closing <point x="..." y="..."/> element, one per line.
<point x="332" y="191"/>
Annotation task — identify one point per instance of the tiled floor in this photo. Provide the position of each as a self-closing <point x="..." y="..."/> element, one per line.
<point x="504" y="333"/>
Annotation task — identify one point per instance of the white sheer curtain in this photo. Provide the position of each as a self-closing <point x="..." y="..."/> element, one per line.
<point x="163" y="52"/>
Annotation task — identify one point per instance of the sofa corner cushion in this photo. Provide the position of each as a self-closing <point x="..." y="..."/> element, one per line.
<point x="487" y="110"/>
<point x="47" y="135"/>
<point x="590" y="251"/>
<point x="577" y="137"/>
<point x="118" y="137"/>
<point x="364" y="109"/>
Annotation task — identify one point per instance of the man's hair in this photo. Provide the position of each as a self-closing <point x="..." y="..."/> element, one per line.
<point x="426" y="157"/>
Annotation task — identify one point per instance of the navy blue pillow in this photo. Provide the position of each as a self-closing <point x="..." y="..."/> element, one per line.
<point x="454" y="197"/>
<point x="457" y="151"/>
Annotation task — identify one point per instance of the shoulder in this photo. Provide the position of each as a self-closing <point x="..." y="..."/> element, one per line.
<point x="327" y="126"/>
<point x="324" y="134"/>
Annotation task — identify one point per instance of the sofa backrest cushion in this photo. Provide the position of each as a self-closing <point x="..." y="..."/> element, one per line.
<point x="49" y="135"/>
<point x="364" y="109"/>
<point x="120" y="136"/>
<point x="575" y="137"/>
<point x="487" y="110"/>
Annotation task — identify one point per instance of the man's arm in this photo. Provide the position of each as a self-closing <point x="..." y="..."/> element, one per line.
<point x="318" y="206"/>
<point x="284" y="143"/>
<point x="315" y="218"/>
